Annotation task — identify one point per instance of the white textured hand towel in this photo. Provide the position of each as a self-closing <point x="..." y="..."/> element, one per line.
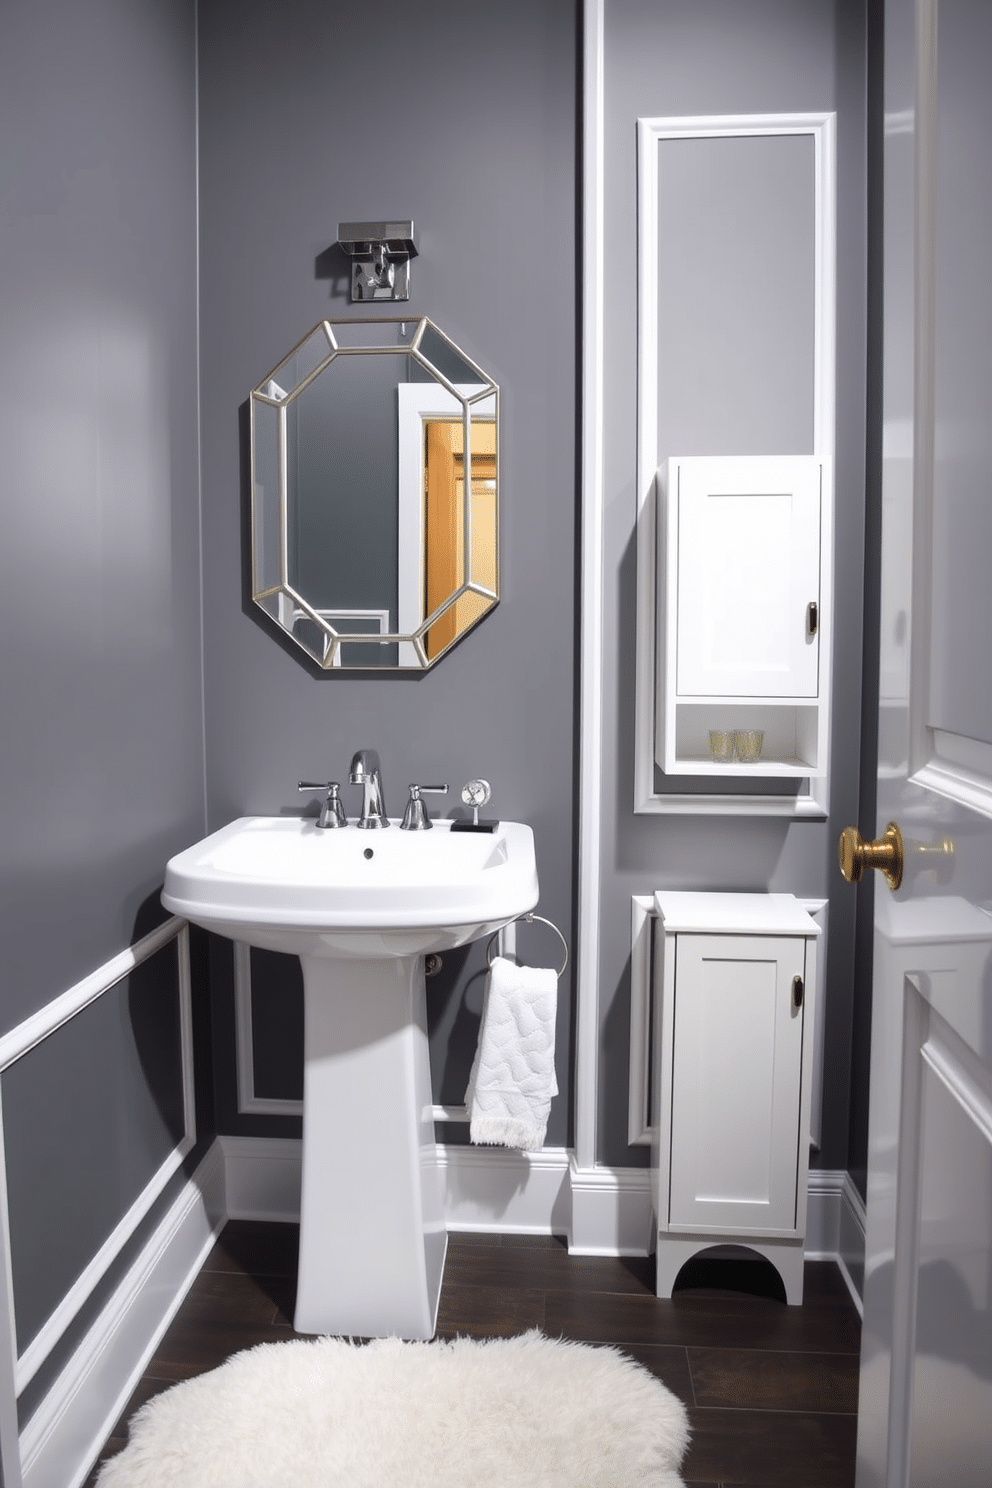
<point x="513" y="1076"/>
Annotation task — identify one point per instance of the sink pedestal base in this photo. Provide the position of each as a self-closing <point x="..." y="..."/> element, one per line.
<point x="372" y="1227"/>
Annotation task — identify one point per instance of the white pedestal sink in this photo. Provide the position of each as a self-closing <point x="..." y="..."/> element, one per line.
<point x="361" y="909"/>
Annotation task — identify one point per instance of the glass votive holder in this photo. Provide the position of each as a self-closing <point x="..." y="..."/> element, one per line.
<point x="747" y="743"/>
<point x="722" y="746"/>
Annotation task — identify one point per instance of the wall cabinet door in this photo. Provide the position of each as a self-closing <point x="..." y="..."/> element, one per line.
<point x="748" y="545"/>
<point x="737" y="1073"/>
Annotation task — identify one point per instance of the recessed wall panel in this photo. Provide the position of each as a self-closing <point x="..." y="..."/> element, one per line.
<point x="736" y="301"/>
<point x="89" y="1116"/>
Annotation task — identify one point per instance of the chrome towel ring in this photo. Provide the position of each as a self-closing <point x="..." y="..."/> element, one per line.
<point x="530" y="919"/>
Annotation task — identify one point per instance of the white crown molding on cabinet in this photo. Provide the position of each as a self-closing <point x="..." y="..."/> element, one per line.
<point x="821" y="126"/>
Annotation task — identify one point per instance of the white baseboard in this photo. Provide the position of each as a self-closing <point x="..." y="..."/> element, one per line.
<point x="262" y="1177"/>
<point x="493" y="1188"/>
<point x="62" y="1439"/>
<point x="835" y="1226"/>
<point x="851" y="1245"/>
<point x="603" y="1211"/>
<point x="488" y="1188"/>
<point x="611" y="1211"/>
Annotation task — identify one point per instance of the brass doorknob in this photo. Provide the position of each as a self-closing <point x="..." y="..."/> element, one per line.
<point x="855" y="855"/>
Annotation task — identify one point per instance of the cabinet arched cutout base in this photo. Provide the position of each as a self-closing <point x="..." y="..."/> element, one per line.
<point x="785" y="1255"/>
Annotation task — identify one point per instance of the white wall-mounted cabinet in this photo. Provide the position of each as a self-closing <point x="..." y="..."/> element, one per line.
<point x="735" y="978"/>
<point x="743" y="613"/>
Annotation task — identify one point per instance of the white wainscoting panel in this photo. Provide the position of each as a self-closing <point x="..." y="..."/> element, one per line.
<point x="248" y="1102"/>
<point x="642" y="918"/>
<point x="62" y="1439"/>
<point x="818" y="910"/>
<point x="19" y="1042"/>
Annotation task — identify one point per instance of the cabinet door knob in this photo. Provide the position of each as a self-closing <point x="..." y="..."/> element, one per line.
<point x="812" y="617"/>
<point x="798" y="991"/>
<point x="855" y="855"/>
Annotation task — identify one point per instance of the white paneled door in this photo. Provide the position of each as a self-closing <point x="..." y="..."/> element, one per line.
<point x="926" y="1371"/>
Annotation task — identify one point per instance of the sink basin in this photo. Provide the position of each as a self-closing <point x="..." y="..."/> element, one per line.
<point x="288" y="885"/>
<point x="361" y="909"/>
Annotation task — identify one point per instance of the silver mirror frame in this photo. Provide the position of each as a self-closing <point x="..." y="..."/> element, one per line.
<point x="280" y="600"/>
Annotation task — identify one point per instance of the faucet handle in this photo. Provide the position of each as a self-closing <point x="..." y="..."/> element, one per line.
<point x="415" y="817"/>
<point x="332" y="812"/>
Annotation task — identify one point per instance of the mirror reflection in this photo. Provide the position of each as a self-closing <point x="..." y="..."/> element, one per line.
<point x="374" y="473"/>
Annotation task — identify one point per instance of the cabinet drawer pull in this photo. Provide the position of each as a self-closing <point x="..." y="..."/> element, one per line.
<point x="812" y="617"/>
<point x="797" y="992"/>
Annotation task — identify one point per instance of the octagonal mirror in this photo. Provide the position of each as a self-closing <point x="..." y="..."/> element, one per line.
<point x="374" y="479"/>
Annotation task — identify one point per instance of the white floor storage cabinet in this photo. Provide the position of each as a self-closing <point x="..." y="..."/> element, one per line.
<point x="734" y="984"/>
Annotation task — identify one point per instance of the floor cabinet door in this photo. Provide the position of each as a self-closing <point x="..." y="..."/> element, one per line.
<point x="737" y="1083"/>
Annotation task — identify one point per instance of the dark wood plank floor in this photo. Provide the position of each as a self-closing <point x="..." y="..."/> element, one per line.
<point x="771" y="1389"/>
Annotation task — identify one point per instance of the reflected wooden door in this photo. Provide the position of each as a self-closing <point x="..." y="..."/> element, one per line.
<point x="444" y="525"/>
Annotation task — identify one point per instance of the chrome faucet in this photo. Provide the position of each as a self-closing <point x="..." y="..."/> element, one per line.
<point x="366" y="772"/>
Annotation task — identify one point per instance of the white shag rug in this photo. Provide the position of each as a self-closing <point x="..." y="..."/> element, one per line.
<point x="525" y="1412"/>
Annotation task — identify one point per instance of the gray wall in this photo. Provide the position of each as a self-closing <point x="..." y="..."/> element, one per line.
<point x="466" y="122"/>
<point x="306" y="120"/>
<point x="101" y="724"/>
<point x="681" y="57"/>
